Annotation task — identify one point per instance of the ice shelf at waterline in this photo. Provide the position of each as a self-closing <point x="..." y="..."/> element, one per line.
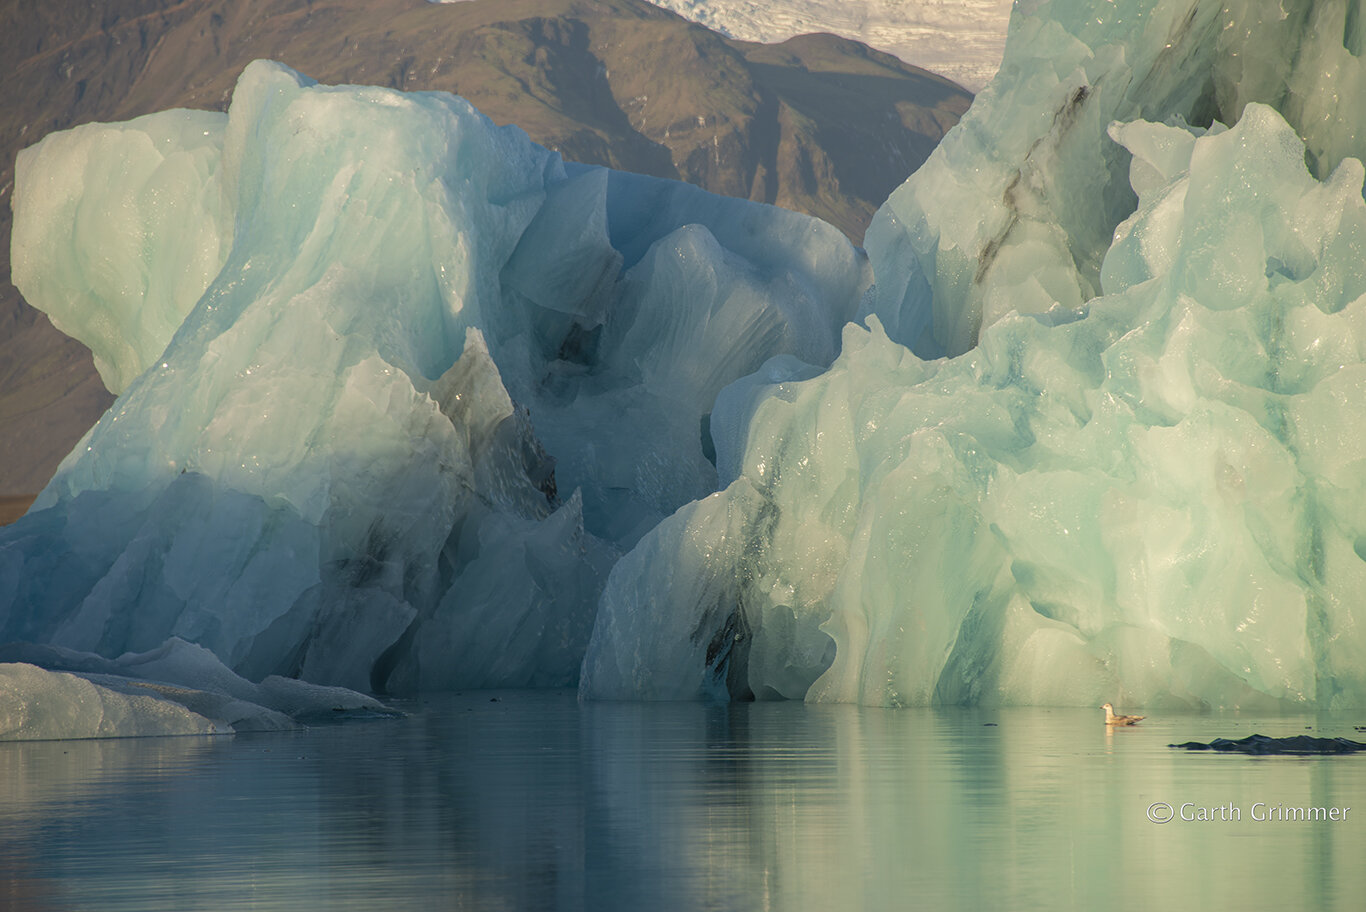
<point x="406" y="402"/>
<point x="48" y="693"/>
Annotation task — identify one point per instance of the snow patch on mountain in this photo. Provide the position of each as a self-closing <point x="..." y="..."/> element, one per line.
<point x="962" y="40"/>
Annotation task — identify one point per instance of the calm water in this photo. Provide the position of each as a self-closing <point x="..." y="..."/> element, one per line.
<point x="533" y="802"/>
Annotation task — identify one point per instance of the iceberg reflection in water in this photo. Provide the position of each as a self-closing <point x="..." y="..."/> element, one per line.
<point x="533" y="801"/>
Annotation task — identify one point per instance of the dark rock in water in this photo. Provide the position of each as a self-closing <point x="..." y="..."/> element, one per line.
<point x="1261" y="744"/>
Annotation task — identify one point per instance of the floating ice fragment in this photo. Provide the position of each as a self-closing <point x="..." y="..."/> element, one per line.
<point x="177" y="688"/>
<point x="38" y="705"/>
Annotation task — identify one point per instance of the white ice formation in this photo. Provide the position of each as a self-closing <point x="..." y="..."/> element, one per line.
<point x="406" y="402"/>
<point x="47" y="693"/>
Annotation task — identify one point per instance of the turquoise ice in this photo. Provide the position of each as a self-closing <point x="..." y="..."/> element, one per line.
<point x="1158" y="495"/>
<point x="406" y="402"/>
<point x="1138" y="476"/>
<point x="397" y="386"/>
<point x="1013" y="212"/>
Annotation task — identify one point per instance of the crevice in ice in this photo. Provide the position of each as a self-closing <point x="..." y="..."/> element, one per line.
<point x="388" y="661"/>
<point x="1205" y="112"/>
<point x="1276" y="267"/>
<point x="708" y="444"/>
<point x="1352" y="31"/>
<point x="727" y="655"/>
<point x="971" y="668"/>
<point x="580" y="345"/>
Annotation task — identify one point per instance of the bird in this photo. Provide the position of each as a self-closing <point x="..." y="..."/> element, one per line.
<point x="1111" y="718"/>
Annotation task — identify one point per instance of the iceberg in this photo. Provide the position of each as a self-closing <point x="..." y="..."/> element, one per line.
<point x="406" y="402"/>
<point x="1134" y="477"/>
<point x="397" y="386"/>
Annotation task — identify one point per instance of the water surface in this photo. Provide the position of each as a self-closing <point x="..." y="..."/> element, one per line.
<point x="531" y="801"/>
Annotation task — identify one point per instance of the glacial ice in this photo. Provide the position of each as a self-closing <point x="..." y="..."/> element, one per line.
<point x="1013" y="212"/>
<point x="397" y="386"/>
<point x="435" y="409"/>
<point x="1156" y="495"/>
<point x="89" y="249"/>
<point x="176" y="689"/>
<point x="1138" y="474"/>
<point x="41" y="705"/>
